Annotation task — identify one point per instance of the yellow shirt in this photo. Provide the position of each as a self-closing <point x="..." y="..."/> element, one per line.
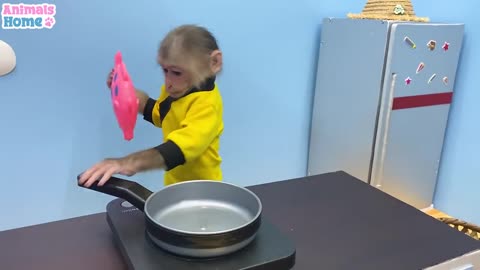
<point x="192" y="126"/>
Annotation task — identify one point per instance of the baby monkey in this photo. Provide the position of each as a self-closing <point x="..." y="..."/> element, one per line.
<point x="189" y="110"/>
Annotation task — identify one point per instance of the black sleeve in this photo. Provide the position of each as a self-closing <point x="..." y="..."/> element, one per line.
<point x="148" y="110"/>
<point x="172" y="154"/>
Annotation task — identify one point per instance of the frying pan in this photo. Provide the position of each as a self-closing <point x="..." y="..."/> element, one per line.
<point x="198" y="218"/>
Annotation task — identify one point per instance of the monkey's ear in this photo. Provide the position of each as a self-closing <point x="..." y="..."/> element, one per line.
<point x="216" y="61"/>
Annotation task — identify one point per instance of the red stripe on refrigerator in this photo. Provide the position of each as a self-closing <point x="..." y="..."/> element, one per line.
<point x="421" y="101"/>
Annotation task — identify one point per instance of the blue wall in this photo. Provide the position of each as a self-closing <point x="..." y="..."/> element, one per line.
<point x="57" y="118"/>
<point x="459" y="180"/>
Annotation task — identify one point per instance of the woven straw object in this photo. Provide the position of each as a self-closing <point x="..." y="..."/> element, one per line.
<point x="469" y="229"/>
<point x="396" y="10"/>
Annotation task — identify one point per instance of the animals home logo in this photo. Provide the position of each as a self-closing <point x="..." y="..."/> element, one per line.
<point x="28" y="16"/>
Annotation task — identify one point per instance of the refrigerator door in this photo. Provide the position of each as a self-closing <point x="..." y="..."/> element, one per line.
<point x="420" y="73"/>
<point x="349" y="80"/>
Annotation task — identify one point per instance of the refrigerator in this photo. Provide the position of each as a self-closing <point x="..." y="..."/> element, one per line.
<point x="381" y="103"/>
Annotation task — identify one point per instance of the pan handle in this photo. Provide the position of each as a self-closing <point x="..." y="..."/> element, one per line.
<point x="130" y="191"/>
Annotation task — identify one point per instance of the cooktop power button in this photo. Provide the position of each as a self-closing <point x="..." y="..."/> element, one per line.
<point x="126" y="204"/>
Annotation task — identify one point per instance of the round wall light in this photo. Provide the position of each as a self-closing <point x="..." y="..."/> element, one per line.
<point x="8" y="60"/>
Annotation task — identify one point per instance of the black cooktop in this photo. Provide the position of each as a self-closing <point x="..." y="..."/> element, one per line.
<point x="270" y="250"/>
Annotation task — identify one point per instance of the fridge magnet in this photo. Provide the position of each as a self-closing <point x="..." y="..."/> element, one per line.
<point x="445" y="80"/>
<point x="445" y="46"/>
<point x="398" y="10"/>
<point x="431" y="45"/>
<point x="431" y="78"/>
<point x="408" y="80"/>
<point x="388" y="10"/>
<point x="410" y="42"/>
<point x="420" y="67"/>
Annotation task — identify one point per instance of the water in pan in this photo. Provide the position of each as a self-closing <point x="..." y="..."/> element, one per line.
<point x="203" y="216"/>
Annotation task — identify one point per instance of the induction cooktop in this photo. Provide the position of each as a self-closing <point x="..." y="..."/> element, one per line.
<point x="271" y="250"/>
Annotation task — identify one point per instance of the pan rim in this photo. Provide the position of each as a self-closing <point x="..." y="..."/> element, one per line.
<point x="254" y="219"/>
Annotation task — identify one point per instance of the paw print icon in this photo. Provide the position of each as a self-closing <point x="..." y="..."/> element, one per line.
<point x="49" y="22"/>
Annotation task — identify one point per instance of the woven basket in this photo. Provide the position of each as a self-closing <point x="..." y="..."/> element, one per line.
<point x="463" y="226"/>
<point x="397" y="10"/>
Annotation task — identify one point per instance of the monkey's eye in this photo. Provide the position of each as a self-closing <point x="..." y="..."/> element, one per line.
<point x="174" y="72"/>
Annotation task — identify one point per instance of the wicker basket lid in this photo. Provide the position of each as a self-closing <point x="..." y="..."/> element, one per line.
<point x="397" y="10"/>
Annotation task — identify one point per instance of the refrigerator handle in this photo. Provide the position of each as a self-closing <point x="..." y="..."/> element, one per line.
<point x="378" y="173"/>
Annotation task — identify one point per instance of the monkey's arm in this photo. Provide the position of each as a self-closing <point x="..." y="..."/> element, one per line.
<point x="142" y="100"/>
<point x="151" y="108"/>
<point x="146" y="160"/>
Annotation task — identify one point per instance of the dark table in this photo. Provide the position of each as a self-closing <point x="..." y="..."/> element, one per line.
<point x="335" y="220"/>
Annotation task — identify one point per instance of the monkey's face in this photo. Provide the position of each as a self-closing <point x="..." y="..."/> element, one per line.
<point x="177" y="81"/>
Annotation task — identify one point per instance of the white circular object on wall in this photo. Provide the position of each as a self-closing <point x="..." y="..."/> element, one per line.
<point x="8" y="60"/>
